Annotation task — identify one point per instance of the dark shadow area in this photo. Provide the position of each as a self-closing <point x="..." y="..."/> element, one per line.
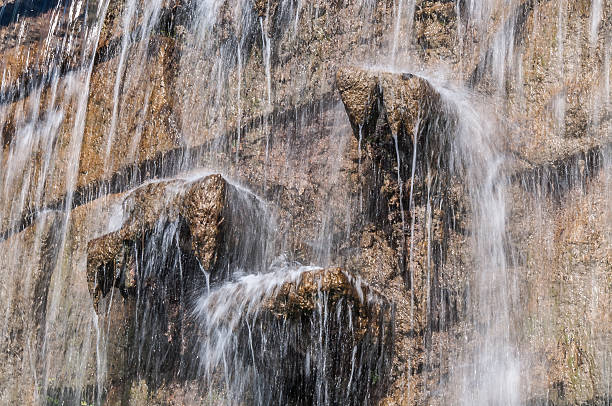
<point x="293" y="363"/>
<point x="554" y="180"/>
<point x="63" y="396"/>
<point x="9" y="13"/>
<point x="151" y="335"/>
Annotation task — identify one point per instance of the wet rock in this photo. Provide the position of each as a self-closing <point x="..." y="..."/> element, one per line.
<point x="358" y="324"/>
<point x="25" y="300"/>
<point x="407" y="99"/>
<point x="360" y="93"/>
<point x="265" y="7"/>
<point x="143" y="278"/>
<point x="199" y="209"/>
<point x="134" y="134"/>
<point x="568" y="327"/>
<point x="402" y="99"/>
<point x="551" y="70"/>
<point x="311" y="325"/>
<point x="295" y="299"/>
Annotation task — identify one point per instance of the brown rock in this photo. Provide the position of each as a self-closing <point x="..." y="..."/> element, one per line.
<point x="407" y="98"/>
<point x="359" y="91"/>
<point x="296" y="299"/>
<point x="265" y="7"/>
<point x="202" y="208"/>
<point x="200" y="205"/>
<point x="290" y="321"/>
<point x="404" y="98"/>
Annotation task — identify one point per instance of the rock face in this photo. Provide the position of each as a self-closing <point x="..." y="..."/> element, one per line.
<point x="326" y="330"/>
<point x="23" y="337"/>
<point x="294" y="299"/>
<point x="155" y="261"/>
<point x="202" y="209"/>
<point x="364" y="337"/>
<point x="142" y="277"/>
<point x="199" y="209"/>
<point x="568" y="323"/>
<point x="400" y="99"/>
<point x="104" y="106"/>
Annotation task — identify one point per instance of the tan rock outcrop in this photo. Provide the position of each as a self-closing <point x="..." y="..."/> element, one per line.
<point x="297" y="299"/>
<point x="201" y="206"/>
<point x="402" y="99"/>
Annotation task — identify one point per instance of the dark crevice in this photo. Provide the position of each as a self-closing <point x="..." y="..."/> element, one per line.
<point x="158" y="276"/>
<point x="556" y="179"/>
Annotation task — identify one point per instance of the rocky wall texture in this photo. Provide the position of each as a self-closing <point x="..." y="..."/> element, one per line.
<point x="301" y="100"/>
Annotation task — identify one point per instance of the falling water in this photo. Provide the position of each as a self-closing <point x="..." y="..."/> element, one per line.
<point x="596" y="14"/>
<point x="490" y="372"/>
<point x="359" y="167"/>
<point x="118" y="110"/>
<point x="128" y="15"/>
<point x="396" y="29"/>
<point x="39" y="138"/>
<point x="244" y="325"/>
<point x="404" y="14"/>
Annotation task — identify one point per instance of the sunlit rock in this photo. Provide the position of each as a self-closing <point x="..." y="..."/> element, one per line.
<point x="25" y="301"/>
<point x="198" y="209"/>
<point x="359" y="91"/>
<point x="143" y="276"/>
<point x="402" y="99"/>
<point x="249" y="88"/>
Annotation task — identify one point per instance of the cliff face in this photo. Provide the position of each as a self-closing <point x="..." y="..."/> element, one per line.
<point x="454" y="156"/>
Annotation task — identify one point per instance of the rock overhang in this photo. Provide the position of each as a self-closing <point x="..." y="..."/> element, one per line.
<point x="401" y="100"/>
<point x="196" y="207"/>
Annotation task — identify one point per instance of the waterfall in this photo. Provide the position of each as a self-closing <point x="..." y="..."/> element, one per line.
<point x="276" y="202"/>
<point x="243" y="326"/>
<point x="488" y="370"/>
<point x="63" y="96"/>
<point x="493" y="364"/>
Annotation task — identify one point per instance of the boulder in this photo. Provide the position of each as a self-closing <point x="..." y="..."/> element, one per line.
<point x="299" y="298"/>
<point x="202" y="208"/>
<point x="198" y="207"/>
<point x="360" y="92"/>
<point x="401" y="98"/>
<point x="314" y="325"/>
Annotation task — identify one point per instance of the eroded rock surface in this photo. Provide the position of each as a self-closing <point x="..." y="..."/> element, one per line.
<point x="200" y="206"/>
<point x="142" y="278"/>
<point x="543" y="64"/>
<point x="402" y="99"/>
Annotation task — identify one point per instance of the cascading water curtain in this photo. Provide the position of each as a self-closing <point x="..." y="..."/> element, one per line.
<point x="277" y="202"/>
